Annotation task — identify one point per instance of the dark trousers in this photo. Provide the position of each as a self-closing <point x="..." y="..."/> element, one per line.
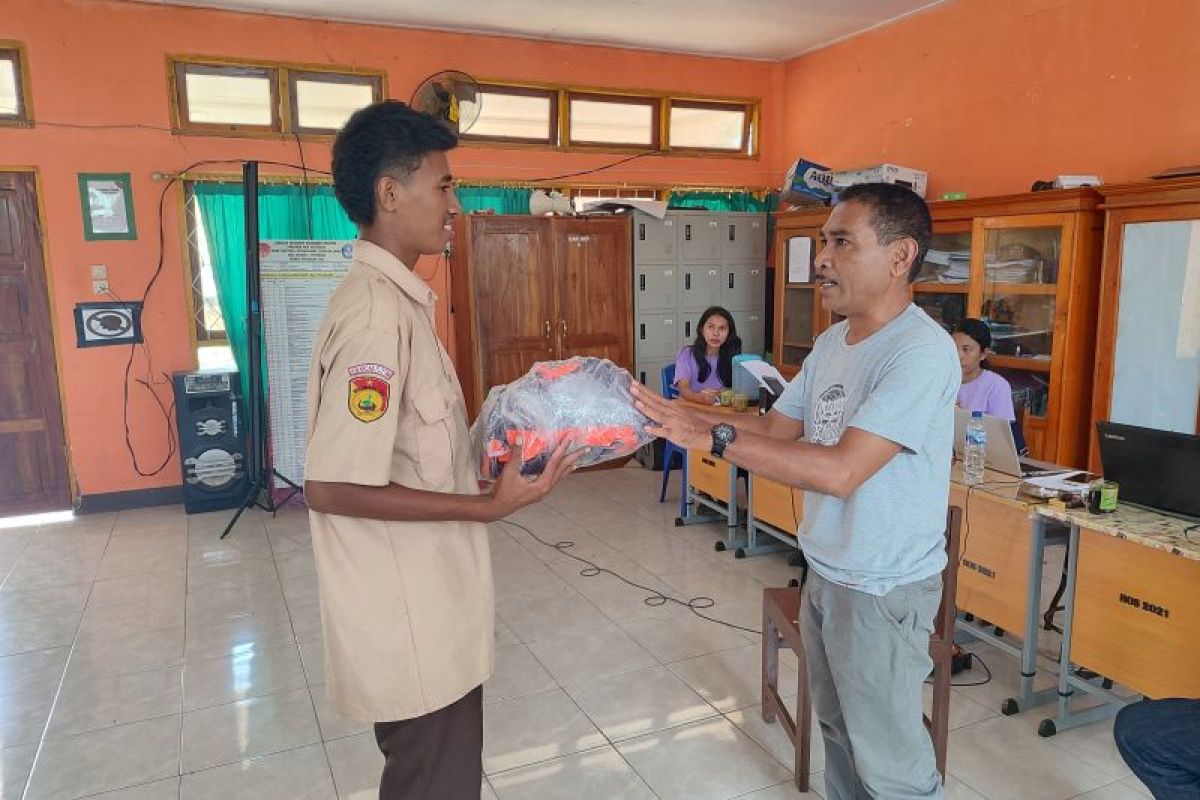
<point x="1160" y="741"/>
<point x="435" y="757"/>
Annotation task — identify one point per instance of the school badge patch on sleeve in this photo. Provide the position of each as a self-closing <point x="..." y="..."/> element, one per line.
<point x="369" y="391"/>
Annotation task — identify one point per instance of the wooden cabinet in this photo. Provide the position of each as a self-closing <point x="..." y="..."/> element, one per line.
<point x="528" y="289"/>
<point x="1028" y="264"/>
<point x="1148" y="335"/>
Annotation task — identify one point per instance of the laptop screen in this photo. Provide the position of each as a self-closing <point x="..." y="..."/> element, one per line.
<point x="1153" y="468"/>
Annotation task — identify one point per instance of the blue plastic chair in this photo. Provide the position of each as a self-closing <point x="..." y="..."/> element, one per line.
<point x="670" y="449"/>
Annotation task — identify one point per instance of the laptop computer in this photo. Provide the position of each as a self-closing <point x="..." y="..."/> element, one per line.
<point x="1001" y="453"/>
<point x="1158" y="470"/>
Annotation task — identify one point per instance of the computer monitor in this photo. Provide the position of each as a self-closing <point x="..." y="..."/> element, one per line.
<point x="1159" y="470"/>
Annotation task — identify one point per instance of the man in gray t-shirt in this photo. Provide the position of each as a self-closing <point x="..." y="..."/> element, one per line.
<point x="874" y="405"/>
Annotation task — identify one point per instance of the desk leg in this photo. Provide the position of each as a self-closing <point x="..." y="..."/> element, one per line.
<point x="753" y="528"/>
<point x="1067" y="681"/>
<point x="1033" y="594"/>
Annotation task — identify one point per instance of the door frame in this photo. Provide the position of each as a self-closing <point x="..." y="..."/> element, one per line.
<point x="55" y="334"/>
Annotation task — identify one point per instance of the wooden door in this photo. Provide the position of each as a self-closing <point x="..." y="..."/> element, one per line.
<point x="511" y="274"/>
<point x="33" y="460"/>
<point x="593" y="284"/>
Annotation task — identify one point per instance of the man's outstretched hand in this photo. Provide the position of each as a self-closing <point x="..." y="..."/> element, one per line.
<point x="671" y="419"/>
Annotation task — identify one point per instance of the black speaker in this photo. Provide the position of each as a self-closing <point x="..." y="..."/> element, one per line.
<point x="212" y="440"/>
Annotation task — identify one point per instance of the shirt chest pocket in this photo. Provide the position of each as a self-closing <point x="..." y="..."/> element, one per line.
<point x="431" y="434"/>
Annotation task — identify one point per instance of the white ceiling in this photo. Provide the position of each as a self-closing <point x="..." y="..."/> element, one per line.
<point x="755" y="29"/>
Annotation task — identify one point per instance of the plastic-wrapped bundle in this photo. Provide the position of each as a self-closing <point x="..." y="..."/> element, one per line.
<point x="586" y="399"/>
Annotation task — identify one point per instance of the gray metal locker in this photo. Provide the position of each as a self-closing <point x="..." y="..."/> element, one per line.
<point x="656" y="287"/>
<point x="700" y="286"/>
<point x="700" y="239"/>
<point x="735" y="287"/>
<point x="756" y="285"/>
<point x="750" y="325"/>
<point x="654" y="240"/>
<point x="758" y="237"/>
<point x="736" y="242"/>
<point x="655" y="336"/>
<point x="649" y="372"/>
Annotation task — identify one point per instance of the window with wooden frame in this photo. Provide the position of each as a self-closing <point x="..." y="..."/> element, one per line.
<point x="321" y="102"/>
<point x="15" y="103"/>
<point x="614" y="120"/>
<point x="709" y="126"/>
<point x="513" y="114"/>
<point x="209" y="324"/>
<point x="212" y="96"/>
<point x="611" y="120"/>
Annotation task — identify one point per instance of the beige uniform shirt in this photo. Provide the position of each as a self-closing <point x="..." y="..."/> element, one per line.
<point x="407" y="607"/>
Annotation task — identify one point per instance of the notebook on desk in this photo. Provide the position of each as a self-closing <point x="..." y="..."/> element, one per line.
<point x="1001" y="453"/>
<point x="1154" y="469"/>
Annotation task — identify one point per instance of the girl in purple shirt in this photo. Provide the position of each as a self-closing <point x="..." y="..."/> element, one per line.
<point x="705" y="367"/>
<point x="982" y="389"/>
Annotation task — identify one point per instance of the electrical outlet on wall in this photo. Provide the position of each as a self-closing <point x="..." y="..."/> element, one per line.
<point x="99" y="279"/>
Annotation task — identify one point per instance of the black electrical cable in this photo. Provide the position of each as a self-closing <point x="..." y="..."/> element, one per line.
<point x="304" y="184"/>
<point x="653" y="598"/>
<point x="172" y="440"/>
<point x="596" y="169"/>
<point x="976" y="657"/>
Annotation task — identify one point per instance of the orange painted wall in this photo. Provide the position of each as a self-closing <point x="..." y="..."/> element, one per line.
<point x="103" y="63"/>
<point x="989" y="96"/>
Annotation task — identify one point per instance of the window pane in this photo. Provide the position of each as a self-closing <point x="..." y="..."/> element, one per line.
<point x="707" y="127"/>
<point x="228" y="99"/>
<point x="512" y="116"/>
<point x="612" y="123"/>
<point x="9" y="104"/>
<point x="326" y="104"/>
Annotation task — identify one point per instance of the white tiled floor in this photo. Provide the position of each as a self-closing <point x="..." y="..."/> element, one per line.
<point x="142" y="658"/>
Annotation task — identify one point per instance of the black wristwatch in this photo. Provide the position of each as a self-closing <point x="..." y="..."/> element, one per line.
<point x="723" y="435"/>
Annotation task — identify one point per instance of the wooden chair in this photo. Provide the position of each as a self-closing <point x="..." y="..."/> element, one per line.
<point x="781" y="613"/>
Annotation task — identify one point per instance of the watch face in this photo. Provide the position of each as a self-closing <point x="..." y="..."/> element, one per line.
<point x="723" y="434"/>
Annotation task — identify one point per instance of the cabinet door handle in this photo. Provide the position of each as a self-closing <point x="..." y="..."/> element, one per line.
<point x="641" y="283"/>
<point x="731" y="280"/>
<point x="642" y="331"/>
<point x="642" y="231"/>
<point x="563" y="326"/>
<point x="687" y="329"/>
<point x="549" y="344"/>
<point x="687" y="232"/>
<point x="732" y="233"/>
<point x="687" y="281"/>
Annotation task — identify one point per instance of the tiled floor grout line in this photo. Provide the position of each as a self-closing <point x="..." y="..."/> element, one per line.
<point x="296" y="640"/>
<point x="70" y="654"/>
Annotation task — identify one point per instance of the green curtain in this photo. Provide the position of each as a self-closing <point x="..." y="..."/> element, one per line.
<point x="499" y="199"/>
<point x="285" y="211"/>
<point x="724" y="201"/>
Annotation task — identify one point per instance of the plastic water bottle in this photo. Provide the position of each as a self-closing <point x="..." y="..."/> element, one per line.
<point x="975" y="449"/>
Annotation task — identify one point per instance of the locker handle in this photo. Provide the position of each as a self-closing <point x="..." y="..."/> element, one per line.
<point x="687" y="232"/>
<point x="731" y="280"/>
<point x="687" y="281"/>
<point x="732" y="235"/>
<point x="641" y="283"/>
<point x="642" y="231"/>
<point x="687" y="329"/>
<point x="642" y="331"/>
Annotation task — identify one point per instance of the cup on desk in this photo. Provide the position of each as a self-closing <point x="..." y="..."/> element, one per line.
<point x="1102" y="497"/>
<point x="740" y="402"/>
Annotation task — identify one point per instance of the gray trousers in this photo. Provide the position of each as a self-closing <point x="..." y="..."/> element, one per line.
<point x="867" y="659"/>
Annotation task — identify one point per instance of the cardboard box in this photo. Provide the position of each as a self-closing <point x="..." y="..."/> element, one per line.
<point x="807" y="183"/>
<point x="883" y="173"/>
